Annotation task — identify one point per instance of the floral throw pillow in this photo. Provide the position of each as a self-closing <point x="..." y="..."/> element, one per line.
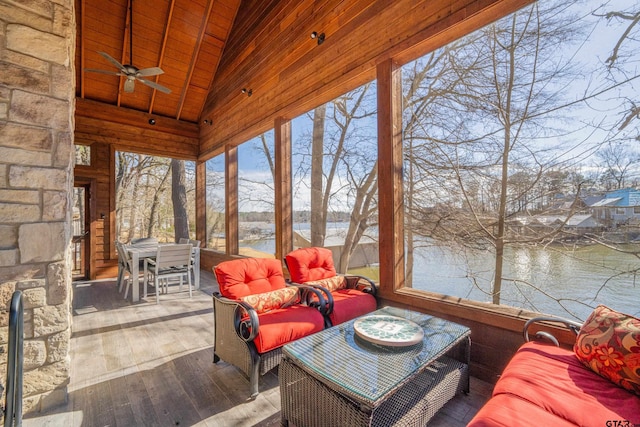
<point x="272" y="300"/>
<point x="331" y="284"/>
<point x="609" y="344"/>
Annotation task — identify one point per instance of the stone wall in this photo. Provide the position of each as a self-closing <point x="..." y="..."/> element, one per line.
<point x="37" y="92"/>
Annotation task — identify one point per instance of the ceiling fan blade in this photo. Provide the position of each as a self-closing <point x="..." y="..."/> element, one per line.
<point x="94" y="70"/>
<point x="153" y="71"/>
<point x="113" y="61"/>
<point x="155" y="85"/>
<point x="129" y="85"/>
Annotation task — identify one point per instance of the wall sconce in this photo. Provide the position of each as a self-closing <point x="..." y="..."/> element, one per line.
<point x="319" y="37"/>
<point x="246" y="91"/>
<point x="207" y="122"/>
<point x="152" y="122"/>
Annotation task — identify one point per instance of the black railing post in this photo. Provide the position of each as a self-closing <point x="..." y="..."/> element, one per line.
<point x="13" y="399"/>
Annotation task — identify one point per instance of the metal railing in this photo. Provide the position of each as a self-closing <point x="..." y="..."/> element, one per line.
<point x="15" y="359"/>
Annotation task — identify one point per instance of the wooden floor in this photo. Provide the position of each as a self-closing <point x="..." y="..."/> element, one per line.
<point x="144" y="364"/>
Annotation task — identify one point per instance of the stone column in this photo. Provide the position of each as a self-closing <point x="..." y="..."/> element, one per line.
<point x="37" y="100"/>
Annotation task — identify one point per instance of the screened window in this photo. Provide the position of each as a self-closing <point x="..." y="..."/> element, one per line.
<point x="83" y="155"/>
<point x="256" y="196"/>
<point x="215" y="205"/>
<point x="150" y="202"/>
<point x="511" y="136"/>
<point x="334" y="154"/>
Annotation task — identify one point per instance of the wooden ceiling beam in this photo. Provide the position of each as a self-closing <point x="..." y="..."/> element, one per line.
<point x="125" y="38"/>
<point x="165" y="37"/>
<point x="194" y="57"/>
<point x="126" y="116"/>
<point x="82" y="55"/>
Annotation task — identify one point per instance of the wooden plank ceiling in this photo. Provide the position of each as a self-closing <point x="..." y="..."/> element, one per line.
<point x="183" y="37"/>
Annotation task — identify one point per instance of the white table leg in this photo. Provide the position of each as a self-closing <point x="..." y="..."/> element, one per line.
<point x="196" y="268"/>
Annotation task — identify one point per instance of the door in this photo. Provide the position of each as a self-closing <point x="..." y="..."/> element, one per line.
<point x="81" y="240"/>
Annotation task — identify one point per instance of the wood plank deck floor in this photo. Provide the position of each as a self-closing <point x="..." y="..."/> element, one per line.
<point x="148" y="364"/>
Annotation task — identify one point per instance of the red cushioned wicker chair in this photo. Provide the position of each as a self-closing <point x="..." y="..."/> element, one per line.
<point x="348" y="296"/>
<point x="256" y="313"/>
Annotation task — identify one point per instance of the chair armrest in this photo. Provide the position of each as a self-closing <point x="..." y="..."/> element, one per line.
<point x="361" y="283"/>
<point x="315" y="296"/>
<point x="569" y="324"/>
<point x="245" y="318"/>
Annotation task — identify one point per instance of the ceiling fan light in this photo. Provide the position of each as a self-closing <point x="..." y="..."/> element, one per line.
<point x="129" y="85"/>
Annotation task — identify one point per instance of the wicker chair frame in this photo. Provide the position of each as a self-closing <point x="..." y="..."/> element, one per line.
<point x="236" y="324"/>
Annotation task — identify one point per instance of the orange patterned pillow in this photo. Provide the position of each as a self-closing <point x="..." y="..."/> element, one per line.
<point x="331" y="284"/>
<point x="272" y="300"/>
<point x="609" y="344"/>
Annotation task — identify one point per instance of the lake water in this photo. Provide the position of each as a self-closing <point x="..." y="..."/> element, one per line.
<point x="551" y="280"/>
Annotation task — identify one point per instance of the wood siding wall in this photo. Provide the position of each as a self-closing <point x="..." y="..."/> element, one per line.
<point x="270" y="51"/>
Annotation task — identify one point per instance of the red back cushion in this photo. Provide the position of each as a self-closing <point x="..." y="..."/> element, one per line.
<point x="307" y="264"/>
<point x="247" y="276"/>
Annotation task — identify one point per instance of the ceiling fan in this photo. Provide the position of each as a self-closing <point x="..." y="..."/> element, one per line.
<point x="131" y="72"/>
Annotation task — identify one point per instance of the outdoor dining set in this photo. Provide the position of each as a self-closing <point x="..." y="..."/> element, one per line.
<point x="159" y="262"/>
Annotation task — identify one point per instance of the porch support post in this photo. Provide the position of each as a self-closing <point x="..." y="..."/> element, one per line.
<point x="231" y="200"/>
<point x="201" y="202"/>
<point x="283" y="198"/>
<point x="390" y="188"/>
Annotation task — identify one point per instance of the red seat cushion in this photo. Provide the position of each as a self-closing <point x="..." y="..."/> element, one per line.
<point x="505" y="410"/>
<point x="280" y="326"/>
<point x="307" y="264"/>
<point x="349" y="304"/>
<point x="247" y="276"/>
<point x="553" y="379"/>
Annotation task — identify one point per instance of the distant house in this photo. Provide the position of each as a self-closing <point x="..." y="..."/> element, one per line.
<point x="366" y="252"/>
<point x="565" y="203"/>
<point x="577" y="223"/>
<point x="620" y="207"/>
<point x="580" y="222"/>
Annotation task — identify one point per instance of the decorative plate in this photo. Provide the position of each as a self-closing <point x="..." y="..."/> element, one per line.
<point x="388" y="330"/>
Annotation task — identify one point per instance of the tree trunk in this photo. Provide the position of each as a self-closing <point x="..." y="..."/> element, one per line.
<point x="318" y="212"/>
<point x="154" y="204"/>
<point x="360" y="213"/>
<point x="179" y="200"/>
<point x="133" y="212"/>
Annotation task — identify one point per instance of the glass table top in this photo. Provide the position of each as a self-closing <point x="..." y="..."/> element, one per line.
<point x="367" y="371"/>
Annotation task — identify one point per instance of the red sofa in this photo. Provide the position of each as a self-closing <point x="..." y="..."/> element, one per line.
<point x="549" y="386"/>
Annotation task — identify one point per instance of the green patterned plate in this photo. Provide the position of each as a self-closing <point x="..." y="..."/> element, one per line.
<point x="388" y="330"/>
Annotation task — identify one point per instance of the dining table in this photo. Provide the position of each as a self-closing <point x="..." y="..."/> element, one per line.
<point x="146" y="249"/>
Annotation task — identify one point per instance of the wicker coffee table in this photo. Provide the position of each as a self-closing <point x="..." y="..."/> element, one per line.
<point x="335" y="378"/>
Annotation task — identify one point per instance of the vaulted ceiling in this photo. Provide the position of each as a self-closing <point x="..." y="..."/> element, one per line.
<point x="185" y="38"/>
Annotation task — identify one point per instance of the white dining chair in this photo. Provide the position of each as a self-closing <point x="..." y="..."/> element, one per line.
<point x="124" y="267"/>
<point x="171" y="261"/>
<point x="194" y="244"/>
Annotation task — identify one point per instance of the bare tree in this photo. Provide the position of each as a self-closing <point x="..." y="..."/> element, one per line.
<point x="319" y="197"/>
<point x="473" y="142"/>
<point x="343" y="168"/>
<point x="619" y="160"/>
